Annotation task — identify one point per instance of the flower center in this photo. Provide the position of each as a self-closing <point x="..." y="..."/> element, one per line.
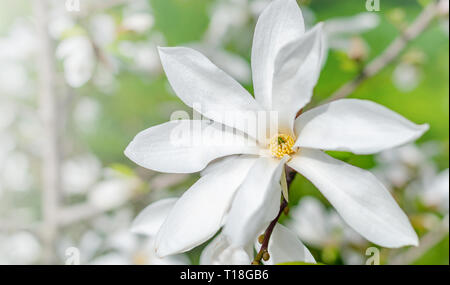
<point x="281" y="144"/>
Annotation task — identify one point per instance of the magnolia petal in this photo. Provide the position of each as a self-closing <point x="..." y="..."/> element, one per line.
<point x="278" y="24"/>
<point x="186" y="146"/>
<point x="200" y="212"/>
<point x="152" y="217"/>
<point x="220" y="252"/>
<point x="148" y="256"/>
<point x="361" y="200"/>
<point x="358" y="126"/>
<point x="207" y="89"/>
<point x="257" y="202"/>
<point x="285" y="246"/>
<point x="297" y="69"/>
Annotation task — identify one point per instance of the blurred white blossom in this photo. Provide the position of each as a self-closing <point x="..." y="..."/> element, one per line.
<point x="19" y="248"/>
<point x="78" y="58"/>
<point x="114" y="190"/>
<point x="406" y="77"/>
<point x="15" y="172"/>
<point x="86" y="113"/>
<point x="436" y="192"/>
<point x="412" y="167"/>
<point x="138" y="22"/>
<point x="80" y="173"/>
<point x="102" y="29"/>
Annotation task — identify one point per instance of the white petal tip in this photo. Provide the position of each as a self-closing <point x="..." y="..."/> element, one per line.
<point x="160" y="253"/>
<point x="164" y="50"/>
<point x="414" y="241"/>
<point x="162" y="249"/>
<point x="128" y="152"/>
<point x="135" y="229"/>
<point x="167" y="50"/>
<point x="421" y="129"/>
<point x="424" y="127"/>
<point x="410" y="240"/>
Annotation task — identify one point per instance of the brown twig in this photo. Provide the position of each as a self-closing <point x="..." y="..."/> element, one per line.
<point x="390" y="53"/>
<point x="290" y="174"/>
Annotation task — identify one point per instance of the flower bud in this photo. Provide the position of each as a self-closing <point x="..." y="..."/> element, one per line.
<point x="261" y="239"/>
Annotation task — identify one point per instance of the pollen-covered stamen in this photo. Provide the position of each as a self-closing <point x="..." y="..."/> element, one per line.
<point x="281" y="144"/>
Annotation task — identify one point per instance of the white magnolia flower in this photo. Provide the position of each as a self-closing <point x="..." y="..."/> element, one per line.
<point x="242" y="192"/>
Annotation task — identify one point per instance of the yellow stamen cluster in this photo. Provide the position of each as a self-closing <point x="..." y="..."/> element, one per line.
<point x="281" y="144"/>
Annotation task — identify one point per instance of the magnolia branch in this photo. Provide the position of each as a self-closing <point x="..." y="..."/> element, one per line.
<point x="265" y="238"/>
<point x="48" y="105"/>
<point x="390" y="53"/>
